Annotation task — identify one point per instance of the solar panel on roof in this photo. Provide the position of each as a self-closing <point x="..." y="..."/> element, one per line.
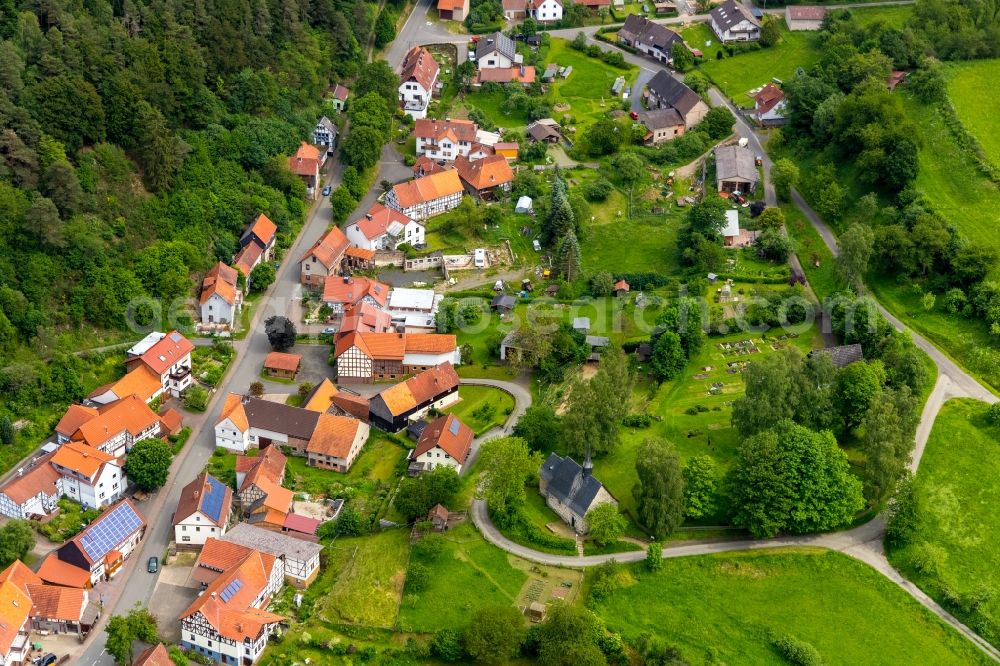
<point x="175" y="336"/>
<point x="453" y="428"/>
<point x="211" y="501"/>
<point x="105" y="534"/>
<point x="231" y="589"/>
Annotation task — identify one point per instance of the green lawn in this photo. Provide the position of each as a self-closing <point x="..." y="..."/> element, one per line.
<point x="468" y="574"/>
<point x="966" y="84"/>
<point x="587" y="91"/>
<point x="707" y="432"/>
<point x="482" y="407"/>
<point x="954" y="552"/>
<point x="811" y="250"/>
<point x="728" y="608"/>
<point x="736" y="76"/>
<point x="376" y="464"/>
<point x="368" y="577"/>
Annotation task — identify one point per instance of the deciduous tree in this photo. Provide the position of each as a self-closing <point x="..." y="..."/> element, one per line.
<point x="699" y="487"/>
<point x="281" y="333"/>
<point x="495" y="634"/>
<point x="660" y="490"/>
<point x="262" y="276"/>
<point x="148" y="464"/>
<point x="507" y="464"/>
<point x="16" y="540"/>
<point x="606" y="523"/>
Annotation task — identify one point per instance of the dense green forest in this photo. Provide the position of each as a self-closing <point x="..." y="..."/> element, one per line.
<point x="138" y="138"/>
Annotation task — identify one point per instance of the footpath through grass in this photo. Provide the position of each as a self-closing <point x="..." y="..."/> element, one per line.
<point x="729" y="609"/>
<point x="953" y="554"/>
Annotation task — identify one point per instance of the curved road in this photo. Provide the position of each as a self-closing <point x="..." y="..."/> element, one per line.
<point x="865" y="542"/>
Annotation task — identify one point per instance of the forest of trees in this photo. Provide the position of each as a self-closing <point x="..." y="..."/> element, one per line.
<point x="138" y="139"/>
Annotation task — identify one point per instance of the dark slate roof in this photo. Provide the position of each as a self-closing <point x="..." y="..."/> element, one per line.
<point x="653" y="34"/>
<point x="498" y="42"/>
<point x="671" y="91"/>
<point x="568" y="484"/>
<point x="730" y="13"/>
<point x="293" y="421"/>
<point x="842" y="355"/>
<point x="634" y="25"/>
<point x="662" y="119"/>
<point x="416" y="429"/>
<point x="505" y="301"/>
<point x="540" y="132"/>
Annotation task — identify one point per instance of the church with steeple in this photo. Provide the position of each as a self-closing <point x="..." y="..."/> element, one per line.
<point x="572" y="490"/>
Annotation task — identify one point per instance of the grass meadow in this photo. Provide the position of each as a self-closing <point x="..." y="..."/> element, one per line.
<point x="729" y="608"/>
<point x="967" y="82"/>
<point x="954" y="554"/>
<point x="474" y="408"/>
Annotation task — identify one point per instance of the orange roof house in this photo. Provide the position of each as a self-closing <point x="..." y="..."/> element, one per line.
<point x="306" y="164"/>
<point x="508" y="149"/>
<point x="71" y="421"/>
<point x="351" y="405"/>
<point x="248" y="258"/>
<point x="486" y="177"/>
<point x="320" y="399"/>
<point x="140" y="382"/>
<point x="58" y="603"/>
<point x="336" y="442"/>
<point x="419" y="67"/>
<point x="431" y="132"/>
<point x="453" y="10"/>
<point x="523" y="74"/>
<point x="323" y="258"/>
<point x="15" y="608"/>
<point x="118" y="425"/>
<point x="445" y="441"/>
<point x="262" y="230"/>
<point x="56" y="572"/>
<point x="365" y="318"/>
<point x="220" y="288"/>
<point x="171" y="348"/>
<point x="391" y="409"/>
<point x="34" y="493"/>
<point x="621" y="287"/>
<point x="280" y="364"/>
<point x="339" y="293"/>
<point x="155" y="655"/>
<point x="427" y="196"/>
<point x="80" y="458"/>
<point x="231" y="607"/>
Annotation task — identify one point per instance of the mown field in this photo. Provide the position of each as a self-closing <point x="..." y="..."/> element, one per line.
<point x="966" y="85"/>
<point x="482" y="407"/>
<point x="953" y="555"/>
<point x="729" y="608"/>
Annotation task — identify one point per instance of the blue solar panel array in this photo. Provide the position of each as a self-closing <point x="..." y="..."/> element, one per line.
<point x="453" y="428"/>
<point x="110" y="530"/>
<point x="211" y="501"/>
<point x="231" y="589"/>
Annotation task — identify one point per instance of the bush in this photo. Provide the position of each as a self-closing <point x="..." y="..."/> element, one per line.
<point x="993" y="413"/>
<point x="598" y="190"/>
<point x="637" y="421"/>
<point x="797" y="652"/>
<point x="447" y="645"/>
<point x="196" y="399"/>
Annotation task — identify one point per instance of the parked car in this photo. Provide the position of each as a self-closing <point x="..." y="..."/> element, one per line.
<point x="45" y="660"/>
<point x="327" y="190"/>
<point x="153" y="565"/>
<point x="329" y="330"/>
<point x="633" y="115"/>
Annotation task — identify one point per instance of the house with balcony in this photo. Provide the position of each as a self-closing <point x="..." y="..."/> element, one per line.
<point x="418" y="81"/>
<point x="229" y="622"/>
<point x="166" y="355"/>
<point x="733" y="22"/>
<point x="444" y="139"/>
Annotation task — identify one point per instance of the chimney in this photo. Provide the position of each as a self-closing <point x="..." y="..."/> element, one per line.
<point x="347" y="279"/>
<point x="213" y="595"/>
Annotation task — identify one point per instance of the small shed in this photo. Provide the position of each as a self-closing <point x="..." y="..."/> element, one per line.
<point x="280" y="364"/>
<point x="416" y="429"/>
<point x="536" y="611"/>
<point x="581" y="324"/>
<point x="552" y="290"/>
<point x="621" y="288"/>
<point x="503" y="303"/>
<point x="731" y="232"/>
<point x="523" y="205"/>
<point x="438" y="517"/>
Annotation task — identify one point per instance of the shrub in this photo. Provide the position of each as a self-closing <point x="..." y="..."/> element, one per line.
<point x="993" y="413"/>
<point x="654" y="556"/>
<point x="447" y="645"/>
<point x="637" y="421"/>
<point x="598" y="190"/>
<point x="797" y="652"/>
<point x="196" y="399"/>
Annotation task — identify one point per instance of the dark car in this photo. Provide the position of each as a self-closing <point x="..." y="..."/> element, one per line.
<point x="45" y="660"/>
<point x="153" y="565"/>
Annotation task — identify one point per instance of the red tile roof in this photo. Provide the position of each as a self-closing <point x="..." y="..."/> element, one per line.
<point x="341" y="93"/>
<point x="449" y="434"/>
<point x="130" y="413"/>
<point x="303" y="524"/>
<point x="329" y="249"/>
<point x="425" y="166"/>
<point x="438" y="130"/>
<point x="221" y="280"/>
<point x="353" y="290"/>
<point x="268" y="467"/>
<point x="807" y="13"/>
<point x="376" y="221"/>
<point x="768" y="98"/>
<point x="365" y="318"/>
<point x="507" y="74"/>
<point x="427" y="188"/>
<point x="282" y="361"/>
<point x="155" y="655"/>
<point x="57" y="572"/>
<point x="248" y="257"/>
<point x="171" y="348"/>
<point x="233" y="410"/>
<point x="416" y="390"/>
<point x="80" y="458"/>
<point x="194" y="494"/>
<point x="221" y="555"/>
<point x="351" y="404"/>
<point x="263" y="228"/>
<point x="383" y="346"/>
<point x="419" y="65"/>
<point x="621" y="285"/>
<point x="15" y="605"/>
<point x="303" y="166"/>
<point x="333" y="436"/>
<point x="39" y="479"/>
<point x="75" y="417"/>
<point x="55" y="602"/>
<point x="489" y="172"/>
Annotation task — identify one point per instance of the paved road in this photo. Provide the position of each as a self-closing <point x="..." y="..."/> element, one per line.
<point x="522" y="400"/>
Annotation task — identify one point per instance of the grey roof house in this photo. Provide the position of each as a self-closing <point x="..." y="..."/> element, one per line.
<point x="735" y="169"/>
<point x="649" y="38"/>
<point x="496" y="50"/>
<point x="666" y="92"/>
<point x="732" y="22"/>
<point x="571" y="490"/>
